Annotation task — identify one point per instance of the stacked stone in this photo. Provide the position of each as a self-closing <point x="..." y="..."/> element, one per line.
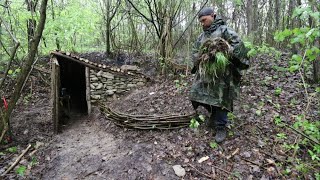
<point x="105" y="84"/>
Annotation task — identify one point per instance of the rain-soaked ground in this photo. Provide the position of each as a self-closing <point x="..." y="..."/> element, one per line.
<point x="93" y="147"/>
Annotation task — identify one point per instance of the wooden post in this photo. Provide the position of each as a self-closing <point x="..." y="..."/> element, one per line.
<point x="55" y="87"/>
<point x="88" y="98"/>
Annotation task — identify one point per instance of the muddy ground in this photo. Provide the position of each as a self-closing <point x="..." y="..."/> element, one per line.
<point x="93" y="147"/>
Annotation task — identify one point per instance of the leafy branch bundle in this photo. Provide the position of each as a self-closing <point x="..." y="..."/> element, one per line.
<point x="213" y="57"/>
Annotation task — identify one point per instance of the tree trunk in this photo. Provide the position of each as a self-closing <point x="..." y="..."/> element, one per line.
<point x="109" y="14"/>
<point x="134" y="40"/>
<point x="277" y="12"/>
<point x="255" y="26"/>
<point x="108" y="28"/>
<point x="221" y="9"/>
<point x="26" y="68"/>
<point x="56" y="35"/>
<point x="249" y="16"/>
<point x="108" y="41"/>
<point x="270" y="31"/>
<point x="316" y="62"/>
<point x="299" y="20"/>
<point x="277" y="17"/>
<point x="290" y="20"/>
<point x="316" y="68"/>
<point x="31" y="23"/>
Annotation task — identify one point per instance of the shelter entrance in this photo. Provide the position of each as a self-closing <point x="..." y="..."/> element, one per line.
<point x="72" y="88"/>
<point x="69" y="92"/>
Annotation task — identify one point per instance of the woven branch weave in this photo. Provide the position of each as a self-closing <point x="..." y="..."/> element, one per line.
<point x="146" y="121"/>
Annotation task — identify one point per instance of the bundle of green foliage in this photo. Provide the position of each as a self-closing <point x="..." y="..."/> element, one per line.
<point x="214" y="58"/>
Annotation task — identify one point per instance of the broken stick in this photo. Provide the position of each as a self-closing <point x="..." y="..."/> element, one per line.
<point x="17" y="160"/>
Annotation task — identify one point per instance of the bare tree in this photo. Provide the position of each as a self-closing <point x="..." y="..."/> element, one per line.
<point x="134" y="44"/>
<point x="249" y="14"/>
<point x="31" y="23"/>
<point x="55" y="33"/>
<point x="316" y="62"/>
<point x="12" y="54"/>
<point x="277" y="12"/>
<point x="27" y="67"/>
<point x="109" y="13"/>
<point x="161" y="14"/>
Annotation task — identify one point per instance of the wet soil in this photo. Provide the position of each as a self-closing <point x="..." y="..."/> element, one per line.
<point x="92" y="147"/>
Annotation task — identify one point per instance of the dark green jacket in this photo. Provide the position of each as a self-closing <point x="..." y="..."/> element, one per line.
<point x="226" y="87"/>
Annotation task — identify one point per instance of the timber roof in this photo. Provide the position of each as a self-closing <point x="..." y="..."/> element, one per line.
<point x="93" y="65"/>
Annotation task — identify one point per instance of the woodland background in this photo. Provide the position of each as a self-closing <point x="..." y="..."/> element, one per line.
<point x="162" y="29"/>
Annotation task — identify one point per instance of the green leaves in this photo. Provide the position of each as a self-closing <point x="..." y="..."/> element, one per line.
<point x="12" y="149"/>
<point x="252" y="52"/>
<point x="304" y="36"/>
<point x="258" y="112"/>
<point x="278" y="91"/>
<point x="231" y="116"/>
<point x="313" y="155"/>
<point x="281" y="136"/>
<point x="312" y="129"/>
<point x="215" y="68"/>
<point x="263" y="49"/>
<point x="312" y="53"/>
<point x="293" y="68"/>
<point x="76" y="25"/>
<point x="194" y="123"/>
<point x="221" y="62"/>
<point x="21" y="170"/>
<point x="300" y="38"/>
<point x="180" y="83"/>
<point x="278" y="120"/>
<point x="297" y="58"/>
<point x="238" y="2"/>
<point x="202" y="118"/>
<point x="305" y="12"/>
<point x="282" y="35"/>
<point x="213" y="145"/>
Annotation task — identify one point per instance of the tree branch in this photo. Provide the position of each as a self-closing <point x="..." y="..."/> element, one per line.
<point x="5" y="49"/>
<point x="144" y="16"/>
<point x="175" y="44"/>
<point x="151" y="20"/>
<point x="8" y="30"/>
<point x="115" y="10"/>
<point x="17" y="160"/>
<point x="12" y="55"/>
<point x="4" y="6"/>
<point x="154" y="21"/>
<point x="28" y="63"/>
<point x="118" y="22"/>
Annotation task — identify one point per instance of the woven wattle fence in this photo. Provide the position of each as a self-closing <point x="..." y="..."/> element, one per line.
<point x="146" y="121"/>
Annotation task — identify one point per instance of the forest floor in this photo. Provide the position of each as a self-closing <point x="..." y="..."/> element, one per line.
<point x="93" y="147"/>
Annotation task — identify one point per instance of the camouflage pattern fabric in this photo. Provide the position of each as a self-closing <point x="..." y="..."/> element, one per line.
<point x="226" y="87"/>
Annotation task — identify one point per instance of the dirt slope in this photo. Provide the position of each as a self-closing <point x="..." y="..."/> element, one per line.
<point x="94" y="148"/>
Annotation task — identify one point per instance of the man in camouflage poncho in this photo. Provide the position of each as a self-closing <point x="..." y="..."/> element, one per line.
<point x="217" y="97"/>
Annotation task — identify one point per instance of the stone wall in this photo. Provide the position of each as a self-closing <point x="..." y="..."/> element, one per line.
<point x="104" y="85"/>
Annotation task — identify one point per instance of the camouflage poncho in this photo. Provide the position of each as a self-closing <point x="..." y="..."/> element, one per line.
<point x="225" y="87"/>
